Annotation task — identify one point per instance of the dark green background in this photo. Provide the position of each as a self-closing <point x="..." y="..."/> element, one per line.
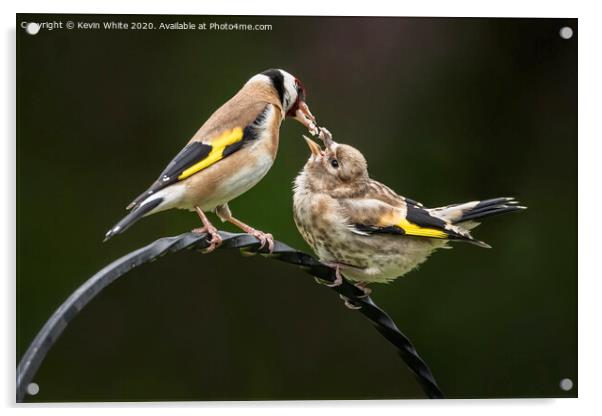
<point x="445" y="110"/>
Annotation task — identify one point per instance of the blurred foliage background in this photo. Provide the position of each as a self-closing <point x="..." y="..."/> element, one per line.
<point x="445" y="110"/>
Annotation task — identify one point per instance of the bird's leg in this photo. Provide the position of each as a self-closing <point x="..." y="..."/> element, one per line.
<point x="216" y="239"/>
<point x="338" y="281"/>
<point x="260" y="235"/>
<point x="223" y="211"/>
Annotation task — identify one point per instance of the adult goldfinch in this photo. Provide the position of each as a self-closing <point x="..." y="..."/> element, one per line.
<point x="227" y="156"/>
<point x="366" y="231"/>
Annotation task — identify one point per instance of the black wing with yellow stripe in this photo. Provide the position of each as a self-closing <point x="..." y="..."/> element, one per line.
<point x="197" y="156"/>
<point x="417" y="222"/>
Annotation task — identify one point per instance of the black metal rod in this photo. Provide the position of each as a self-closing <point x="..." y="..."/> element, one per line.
<point x="52" y="329"/>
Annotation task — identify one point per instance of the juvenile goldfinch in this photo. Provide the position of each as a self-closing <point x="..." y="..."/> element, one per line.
<point x="227" y="156"/>
<point x="366" y="231"/>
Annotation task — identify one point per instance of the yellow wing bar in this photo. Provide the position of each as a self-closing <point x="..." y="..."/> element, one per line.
<point x="413" y="229"/>
<point x="217" y="150"/>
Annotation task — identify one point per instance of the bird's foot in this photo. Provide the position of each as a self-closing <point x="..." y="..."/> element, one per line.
<point x="215" y="239"/>
<point x="338" y="281"/>
<point x="364" y="288"/>
<point x="264" y="238"/>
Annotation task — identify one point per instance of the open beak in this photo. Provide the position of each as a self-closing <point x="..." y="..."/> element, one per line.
<point x="313" y="146"/>
<point x="305" y="117"/>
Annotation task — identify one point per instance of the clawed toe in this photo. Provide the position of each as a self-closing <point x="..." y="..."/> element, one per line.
<point x="214" y="239"/>
<point x="264" y="238"/>
<point x="366" y="292"/>
<point x="338" y="281"/>
<point x="349" y="303"/>
<point x="215" y="242"/>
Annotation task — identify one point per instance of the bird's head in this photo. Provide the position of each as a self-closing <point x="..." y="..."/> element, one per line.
<point x="291" y="94"/>
<point x="338" y="166"/>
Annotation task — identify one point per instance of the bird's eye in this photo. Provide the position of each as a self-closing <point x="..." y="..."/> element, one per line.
<point x="334" y="163"/>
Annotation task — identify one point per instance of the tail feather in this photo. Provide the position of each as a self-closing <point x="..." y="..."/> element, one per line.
<point x="470" y="211"/>
<point x="489" y="208"/>
<point x="134" y="215"/>
<point x="464" y="215"/>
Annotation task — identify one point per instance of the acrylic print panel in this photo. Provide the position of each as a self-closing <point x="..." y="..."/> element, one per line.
<point x="444" y="110"/>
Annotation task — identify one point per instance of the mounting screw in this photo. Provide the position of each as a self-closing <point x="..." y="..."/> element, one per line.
<point x="566" y="384"/>
<point x="565" y="32"/>
<point x="33" y="389"/>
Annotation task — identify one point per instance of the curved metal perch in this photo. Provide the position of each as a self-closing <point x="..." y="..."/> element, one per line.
<point x="33" y="357"/>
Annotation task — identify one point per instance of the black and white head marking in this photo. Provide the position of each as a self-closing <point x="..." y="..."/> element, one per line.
<point x="290" y="91"/>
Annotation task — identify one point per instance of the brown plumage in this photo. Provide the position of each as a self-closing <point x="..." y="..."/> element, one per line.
<point x="227" y="156"/>
<point x="364" y="229"/>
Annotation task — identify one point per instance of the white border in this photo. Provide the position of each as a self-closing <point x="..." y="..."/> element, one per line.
<point x="590" y="201"/>
<point x="507" y="8"/>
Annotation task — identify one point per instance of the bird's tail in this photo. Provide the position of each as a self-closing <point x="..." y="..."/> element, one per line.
<point x="466" y="213"/>
<point x="134" y="215"/>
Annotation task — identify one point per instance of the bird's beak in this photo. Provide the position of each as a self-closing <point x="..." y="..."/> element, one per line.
<point x="313" y="146"/>
<point x="305" y="117"/>
<point x="326" y="137"/>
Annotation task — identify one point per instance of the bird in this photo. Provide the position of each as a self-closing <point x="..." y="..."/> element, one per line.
<point x="229" y="154"/>
<point x="366" y="231"/>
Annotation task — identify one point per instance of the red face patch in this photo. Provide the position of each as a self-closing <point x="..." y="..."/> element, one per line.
<point x="300" y="97"/>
